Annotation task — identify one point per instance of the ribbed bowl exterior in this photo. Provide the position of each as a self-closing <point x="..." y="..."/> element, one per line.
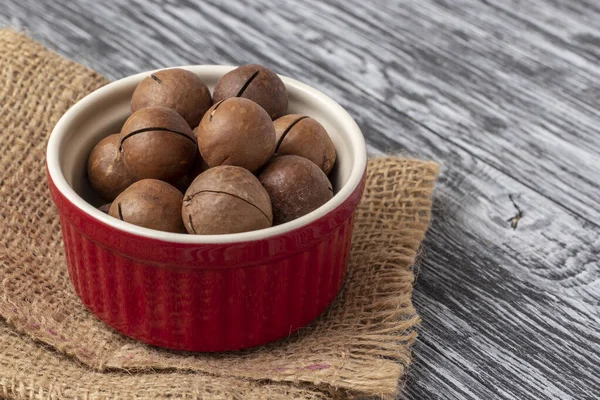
<point x="207" y="297"/>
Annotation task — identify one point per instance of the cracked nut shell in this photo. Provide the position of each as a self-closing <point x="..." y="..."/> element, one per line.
<point x="106" y="170"/>
<point x="238" y="132"/>
<point x="165" y="153"/>
<point x="177" y="89"/>
<point x="226" y="199"/>
<point x="296" y="187"/>
<point x="257" y="83"/>
<point x="152" y="204"/>
<point x="305" y="137"/>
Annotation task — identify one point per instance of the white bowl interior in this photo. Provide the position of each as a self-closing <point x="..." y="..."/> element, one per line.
<point x="104" y="111"/>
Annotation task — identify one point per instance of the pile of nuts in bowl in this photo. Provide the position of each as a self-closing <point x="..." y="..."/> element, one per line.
<point x="234" y="162"/>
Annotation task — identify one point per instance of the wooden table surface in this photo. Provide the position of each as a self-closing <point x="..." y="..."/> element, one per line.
<point x="504" y="94"/>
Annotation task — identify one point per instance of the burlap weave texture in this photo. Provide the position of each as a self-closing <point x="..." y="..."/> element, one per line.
<point x="360" y="346"/>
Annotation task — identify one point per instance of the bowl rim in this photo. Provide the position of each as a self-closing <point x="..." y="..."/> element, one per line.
<point x="350" y="128"/>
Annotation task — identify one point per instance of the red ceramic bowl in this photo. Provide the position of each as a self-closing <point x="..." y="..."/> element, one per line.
<point x="192" y="292"/>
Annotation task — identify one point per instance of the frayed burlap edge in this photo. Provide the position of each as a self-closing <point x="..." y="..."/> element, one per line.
<point x="360" y="346"/>
<point x="30" y="370"/>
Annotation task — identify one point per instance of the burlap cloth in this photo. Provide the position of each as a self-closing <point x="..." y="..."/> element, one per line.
<point x="51" y="347"/>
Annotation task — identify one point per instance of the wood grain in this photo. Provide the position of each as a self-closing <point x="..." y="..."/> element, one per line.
<point x="506" y="95"/>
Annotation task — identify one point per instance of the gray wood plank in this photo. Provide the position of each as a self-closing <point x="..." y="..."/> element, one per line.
<point x="505" y="96"/>
<point x="471" y="74"/>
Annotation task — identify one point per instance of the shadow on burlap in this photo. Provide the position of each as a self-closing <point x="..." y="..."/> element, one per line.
<point x="52" y="347"/>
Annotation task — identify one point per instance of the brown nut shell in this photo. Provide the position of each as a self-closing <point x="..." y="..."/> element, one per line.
<point x="257" y="83"/>
<point x="238" y="132"/>
<point x="152" y="204"/>
<point x="226" y="199"/>
<point x="296" y="187"/>
<point x="174" y="88"/>
<point x="106" y="170"/>
<point x="305" y="137"/>
<point x="105" y="207"/>
<point x="157" y="143"/>
<point x="197" y="168"/>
